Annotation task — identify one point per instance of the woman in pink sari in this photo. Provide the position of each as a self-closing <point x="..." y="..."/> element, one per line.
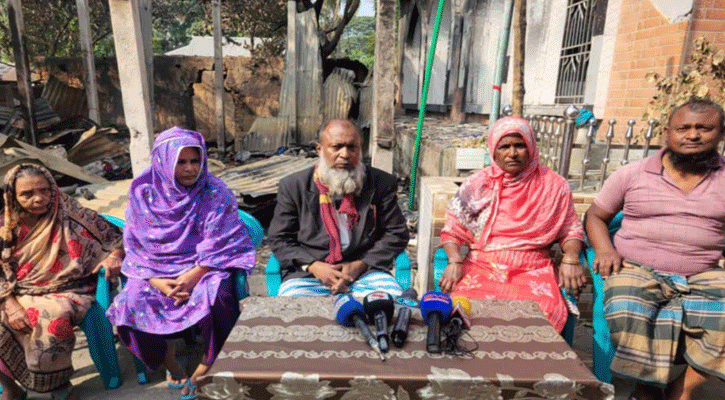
<point x="509" y="215"/>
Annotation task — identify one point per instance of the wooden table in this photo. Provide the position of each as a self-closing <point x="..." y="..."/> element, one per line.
<point x="291" y="348"/>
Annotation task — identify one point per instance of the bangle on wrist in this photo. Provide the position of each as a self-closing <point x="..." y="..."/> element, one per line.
<point x="455" y="262"/>
<point x="569" y="261"/>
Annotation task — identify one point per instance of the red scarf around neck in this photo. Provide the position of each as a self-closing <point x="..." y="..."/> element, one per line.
<point x="329" y="219"/>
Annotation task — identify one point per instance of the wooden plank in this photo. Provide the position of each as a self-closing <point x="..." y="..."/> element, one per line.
<point x="410" y="65"/>
<point x="439" y="71"/>
<point x="290" y="67"/>
<point x="309" y="78"/>
<point x="133" y="75"/>
<point x="383" y="130"/>
<point x="219" y="77"/>
<point x="461" y="57"/>
<point x="89" y="64"/>
<point x="22" y="67"/>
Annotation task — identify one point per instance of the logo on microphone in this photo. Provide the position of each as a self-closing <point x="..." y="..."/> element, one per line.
<point x="378" y="296"/>
<point x="433" y="296"/>
<point x="404" y="301"/>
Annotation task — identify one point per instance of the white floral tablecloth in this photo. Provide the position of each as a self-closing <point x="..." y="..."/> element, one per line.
<point x="291" y="348"/>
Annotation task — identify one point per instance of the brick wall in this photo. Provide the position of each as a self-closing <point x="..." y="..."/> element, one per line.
<point x="709" y="20"/>
<point x="648" y="41"/>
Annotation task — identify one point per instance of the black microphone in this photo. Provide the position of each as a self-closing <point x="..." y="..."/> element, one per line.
<point x="379" y="308"/>
<point x="435" y="307"/>
<point x="349" y="312"/>
<point x="407" y="300"/>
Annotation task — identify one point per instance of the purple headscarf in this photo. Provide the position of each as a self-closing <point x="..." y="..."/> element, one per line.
<point x="171" y="228"/>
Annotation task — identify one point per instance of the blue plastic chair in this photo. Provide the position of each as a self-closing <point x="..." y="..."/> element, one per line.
<point x="273" y="273"/>
<point x="603" y="350"/>
<point x="440" y="261"/>
<point x="103" y="345"/>
<point x="99" y="334"/>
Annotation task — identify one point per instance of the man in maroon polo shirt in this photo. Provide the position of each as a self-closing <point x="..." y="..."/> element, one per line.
<point x="664" y="292"/>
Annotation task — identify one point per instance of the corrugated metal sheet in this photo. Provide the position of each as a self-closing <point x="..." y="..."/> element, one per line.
<point x="338" y="94"/>
<point x="258" y="179"/>
<point x="67" y="101"/>
<point x="13" y="152"/>
<point x="96" y="145"/>
<point x="266" y="133"/>
<point x="308" y="72"/>
<point x="45" y="116"/>
<point x="365" y="114"/>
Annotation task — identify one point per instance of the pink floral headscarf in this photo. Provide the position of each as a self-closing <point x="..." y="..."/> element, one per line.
<point x="539" y="199"/>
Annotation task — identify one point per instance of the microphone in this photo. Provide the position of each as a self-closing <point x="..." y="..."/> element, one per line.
<point x="435" y="307"/>
<point x="349" y="312"/>
<point x="407" y="300"/>
<point x="379" y="308"/>
<point x="461" y="314"/>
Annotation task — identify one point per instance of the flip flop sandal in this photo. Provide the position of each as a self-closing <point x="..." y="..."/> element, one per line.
<point x="190" y="387"/>
<point x="175" y="377"/>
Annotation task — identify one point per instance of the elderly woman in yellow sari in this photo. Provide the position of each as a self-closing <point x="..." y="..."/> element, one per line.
<point x="52" y="248"/>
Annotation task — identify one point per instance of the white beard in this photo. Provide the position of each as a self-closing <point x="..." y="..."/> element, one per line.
<point x="340" y="182"/>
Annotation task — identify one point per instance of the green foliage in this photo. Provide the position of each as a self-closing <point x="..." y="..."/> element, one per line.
<point x="358" y="41"/>
<point x="703" y="78"/>
<point x="51" y="28"/>
<point x="174" y="22"/>
<point x="257" y="19"/>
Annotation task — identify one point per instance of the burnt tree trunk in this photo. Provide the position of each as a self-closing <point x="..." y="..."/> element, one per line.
<point x="519" y="55"/>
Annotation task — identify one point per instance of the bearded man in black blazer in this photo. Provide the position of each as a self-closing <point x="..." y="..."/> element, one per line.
<point x="337" y="226"/>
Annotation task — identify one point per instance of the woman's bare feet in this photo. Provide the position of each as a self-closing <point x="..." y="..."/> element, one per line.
<point x="175" y="376"/>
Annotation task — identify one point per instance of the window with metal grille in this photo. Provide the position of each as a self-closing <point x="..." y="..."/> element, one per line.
<point x="584" y="19"/>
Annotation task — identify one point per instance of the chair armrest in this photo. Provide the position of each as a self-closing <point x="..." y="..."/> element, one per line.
<point x="254" y="228"/>
<point x="241" y="287"/>
<point x="103" y="290"/>
<point x="273" y="275"/>
<point x="402" y="270"/>
<point x="440" y="262"/>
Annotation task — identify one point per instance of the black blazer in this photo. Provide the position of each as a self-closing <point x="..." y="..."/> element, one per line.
<point x="298" y="237"/>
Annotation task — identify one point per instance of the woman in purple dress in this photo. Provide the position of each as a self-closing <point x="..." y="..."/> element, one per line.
<point x="182" y="238"/>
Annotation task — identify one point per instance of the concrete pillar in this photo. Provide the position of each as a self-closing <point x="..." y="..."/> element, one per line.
<point x="133" y="74"/>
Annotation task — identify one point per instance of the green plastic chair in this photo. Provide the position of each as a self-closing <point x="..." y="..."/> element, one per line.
<point x="602" y="347"/>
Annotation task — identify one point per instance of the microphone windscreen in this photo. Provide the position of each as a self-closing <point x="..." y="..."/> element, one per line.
<point x="379" y="301"/>
<point x="410" y="293"/>
<point x="462" y="310"/>
<point x="345" y="308"/>
<point x="464" y="303"/>
<point x="436" y="302"/>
